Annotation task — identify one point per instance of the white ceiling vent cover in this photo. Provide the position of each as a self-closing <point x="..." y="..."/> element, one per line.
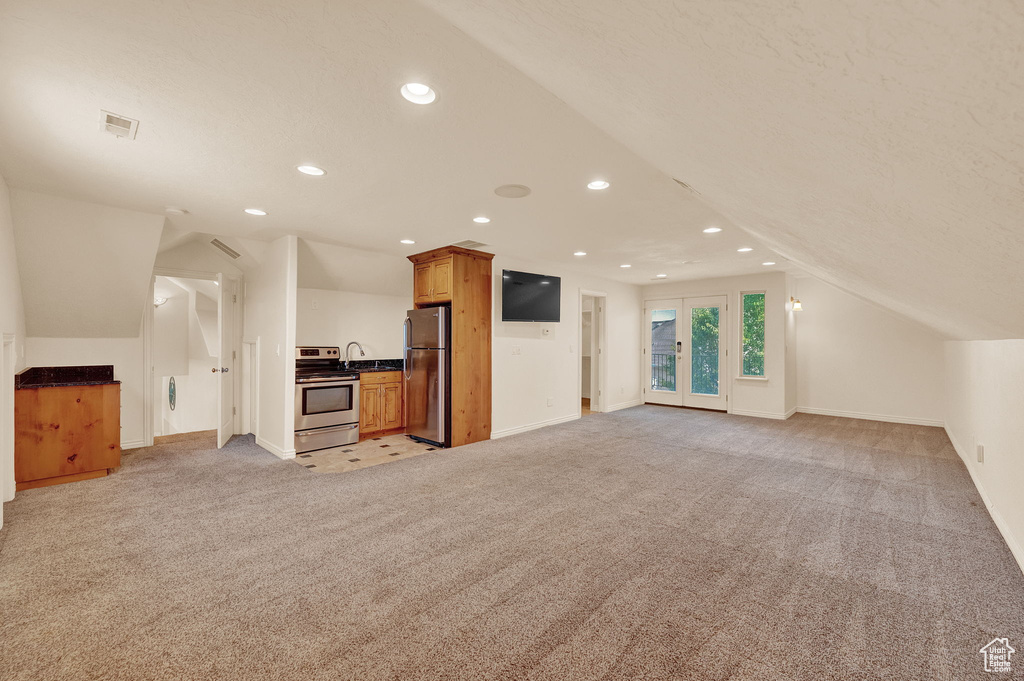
<point x="118" y="125"/>
<point x="469" y="243"/>
<point x="235" y="255"/>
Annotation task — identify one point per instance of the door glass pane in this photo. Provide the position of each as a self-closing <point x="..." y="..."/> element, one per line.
<point x="663" y="350"/>
<point x="704" y="351"/>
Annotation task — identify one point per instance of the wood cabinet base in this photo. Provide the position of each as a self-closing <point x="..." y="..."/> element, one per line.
<point x="59" y="480"/>
<point x="381" y="433"/>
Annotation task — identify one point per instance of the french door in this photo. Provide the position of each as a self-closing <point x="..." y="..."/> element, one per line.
<point x="684" y="348"/>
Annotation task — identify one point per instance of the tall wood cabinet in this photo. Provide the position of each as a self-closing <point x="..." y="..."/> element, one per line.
<point x="461" y="279"/>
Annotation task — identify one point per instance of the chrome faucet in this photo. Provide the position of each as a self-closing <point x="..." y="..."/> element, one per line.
<point x="349" y="347"/>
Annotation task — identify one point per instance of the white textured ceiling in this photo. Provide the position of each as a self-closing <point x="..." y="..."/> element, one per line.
<point x="878" y="144"/>
<point x="233" y="94"/>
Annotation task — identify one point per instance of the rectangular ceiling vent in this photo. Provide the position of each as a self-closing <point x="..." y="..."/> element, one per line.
<point x="235" y="255"/>
<point x="469" y="243"/>
<point x="118" y="125"/>
<point x="686" y="186"/>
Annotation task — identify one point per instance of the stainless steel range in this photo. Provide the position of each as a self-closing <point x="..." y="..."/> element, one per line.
<point x="326" y="400"/>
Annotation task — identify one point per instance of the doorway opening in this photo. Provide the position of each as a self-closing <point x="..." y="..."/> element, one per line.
<point x="7" y="360"/>
<point x="191" y="350"/>
<point x="685" y="352"/>
<point x="591" y="330"/>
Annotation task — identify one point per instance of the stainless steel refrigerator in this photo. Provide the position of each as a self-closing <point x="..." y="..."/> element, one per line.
<point x="427" y="375"/>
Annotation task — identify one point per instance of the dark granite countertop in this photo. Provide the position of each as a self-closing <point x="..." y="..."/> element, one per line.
<point x="56" y="377"/>
<point x="368" y="366"/>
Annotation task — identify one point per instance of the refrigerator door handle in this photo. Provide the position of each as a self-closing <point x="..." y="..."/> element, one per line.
<point x="407" y="360"/>
<point x="442" y="403"/>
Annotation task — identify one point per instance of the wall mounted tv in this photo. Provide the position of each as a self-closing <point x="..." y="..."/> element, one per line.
<point x="529" y="297"/>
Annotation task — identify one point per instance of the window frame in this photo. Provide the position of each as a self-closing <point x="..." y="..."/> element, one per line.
<point x="739" y="338"/>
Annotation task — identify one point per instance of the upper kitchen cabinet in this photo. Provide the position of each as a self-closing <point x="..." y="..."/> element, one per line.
<point x="461" y="279"/>
<point x="432" y="281"/>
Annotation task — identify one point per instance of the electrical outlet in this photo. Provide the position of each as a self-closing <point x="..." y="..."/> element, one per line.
<point x="981" y="453"/>
<point x="517" y="350"/>
<point x="551" y="401"/>
<point x="314" y="304"/>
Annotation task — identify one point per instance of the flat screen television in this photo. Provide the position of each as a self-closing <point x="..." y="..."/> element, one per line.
<point x="527" y="297"/>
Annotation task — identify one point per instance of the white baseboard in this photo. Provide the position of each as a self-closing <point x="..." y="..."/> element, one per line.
<point x="133" y="444"/>
<point x="871" y="417"/>
<point x="761" y="414"/>
<point x="623" y="405"/>
<point x="496" y="434"/>
<point x="1004" y="529"/>
<point x="275" y="450"/>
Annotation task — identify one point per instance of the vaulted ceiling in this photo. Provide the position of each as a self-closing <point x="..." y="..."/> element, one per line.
<point x="877" y="145"/>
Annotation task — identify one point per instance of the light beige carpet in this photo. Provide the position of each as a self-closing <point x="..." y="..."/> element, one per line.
<point x="651" y="543"/>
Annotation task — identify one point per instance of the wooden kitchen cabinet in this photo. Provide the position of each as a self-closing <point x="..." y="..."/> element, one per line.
<point x="380" y="404"/>
<point x="66" y="433"/>
<point x="460" y="278"/>
<point x="432" y="281"/>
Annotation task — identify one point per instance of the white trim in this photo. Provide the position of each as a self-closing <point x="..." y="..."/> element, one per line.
<point x="184" y="274"/>
<point x="148" y="385"/>
<point x="133" y="444"/>
<point x="790" y="412"/>
<point x="762" y="414"/>
<point x="599" y="333"/>
<point x="626" y="405"/>
<point x="532" y="426"/>
<point x="871" y="417"/>
<point x="763" y="379"/>
<point x="997" y="518"/>
<point x="275" y="450"/>
<point x="8" y="362"/>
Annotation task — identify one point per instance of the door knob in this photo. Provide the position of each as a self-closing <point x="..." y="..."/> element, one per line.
<point x="224" y="370"/>
<point x="214" y="369"/>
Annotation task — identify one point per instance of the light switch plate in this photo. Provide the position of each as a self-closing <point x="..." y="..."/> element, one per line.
<point x="981" y="453"/>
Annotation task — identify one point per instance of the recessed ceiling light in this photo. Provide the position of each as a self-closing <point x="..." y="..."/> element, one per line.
<point x="712" y="230"/>
<point x="580" y="253"/>
<point x="745" y="249"/>
<point x="624" y="266"/>
<point x="418" y="93"/>
<point x="310" y="170"/>
<point x="407" y="241"/>
<point x="768" y="263"/>
<point x="255" y="211"/>
<point x="598" y="184"/>
<point x="158" y="301"/>
<point x="481" y="219"/>
<point x="661" y="276"/>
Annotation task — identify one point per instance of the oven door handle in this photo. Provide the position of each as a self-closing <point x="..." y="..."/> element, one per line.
<point x="327" y="381"/>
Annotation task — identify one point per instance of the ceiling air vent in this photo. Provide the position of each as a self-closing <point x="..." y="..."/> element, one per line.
<point x="686" y="186"/>
<point x="235" y="255"/>
<point x="469" y="243"/>
<point x="119" y="125"/>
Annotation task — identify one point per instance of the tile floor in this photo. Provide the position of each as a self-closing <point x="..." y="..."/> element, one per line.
<point x="367" y="453"/>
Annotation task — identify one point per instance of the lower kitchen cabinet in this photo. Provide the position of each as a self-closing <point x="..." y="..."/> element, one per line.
<point x="380" y="404"/>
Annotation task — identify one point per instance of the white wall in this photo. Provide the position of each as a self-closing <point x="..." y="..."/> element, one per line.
<point x="754" y="397"/>
<point x="84" y="267"/>
<point x="859" y="360"/>
<point x="270" y="298"/>
<point x="985" y="406"/>
<point x="12" y="321"/>
<point x="336" y="317"/>
<point x="125" y="354"/>
<point x="548" y="366"/>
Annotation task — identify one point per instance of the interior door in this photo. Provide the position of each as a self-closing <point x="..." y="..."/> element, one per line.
<point x="704" y="370"/>
<point x="663" y="347"/>
<point x="226" y="375"/>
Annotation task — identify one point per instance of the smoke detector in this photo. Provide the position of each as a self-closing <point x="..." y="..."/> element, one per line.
<point x="118" y="125"/>
<point x="235" y="255"/>
<point x="686" y="186"/>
